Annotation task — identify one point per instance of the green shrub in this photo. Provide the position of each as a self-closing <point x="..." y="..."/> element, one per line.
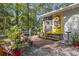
<point x="12" y="32"/>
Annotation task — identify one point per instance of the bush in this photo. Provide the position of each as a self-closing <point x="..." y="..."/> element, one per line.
<point x="12" y="32"/>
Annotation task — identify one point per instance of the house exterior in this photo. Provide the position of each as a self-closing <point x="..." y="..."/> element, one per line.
<point x="58" y="20"/>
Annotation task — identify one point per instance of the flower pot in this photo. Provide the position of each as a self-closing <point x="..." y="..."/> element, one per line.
<point x="75" y="43"/>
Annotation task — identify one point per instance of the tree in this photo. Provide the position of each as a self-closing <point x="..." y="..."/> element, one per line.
<point x="24" y="15"/>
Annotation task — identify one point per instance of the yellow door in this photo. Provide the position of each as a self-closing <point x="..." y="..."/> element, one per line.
<point x="57" y="24"/>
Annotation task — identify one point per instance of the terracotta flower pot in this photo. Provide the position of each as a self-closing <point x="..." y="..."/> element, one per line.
<point x="76" y="43"/>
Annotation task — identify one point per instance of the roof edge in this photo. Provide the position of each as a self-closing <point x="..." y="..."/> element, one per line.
<point x="75" y="5"/>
